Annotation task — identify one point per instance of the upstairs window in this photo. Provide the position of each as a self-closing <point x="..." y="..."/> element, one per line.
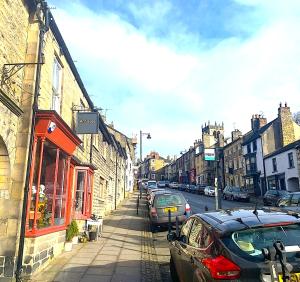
<point x="56" y="85"/>
<point x="248" y="148"/>
<point x="291" y="160"/>
<point x="254" y="146"/>
<point x="274" y="164"/>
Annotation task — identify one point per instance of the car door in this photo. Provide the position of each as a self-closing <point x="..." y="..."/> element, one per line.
<point x="187" y="260"/>
<point x="178" y="247"/>
<point x="200" y="246"/>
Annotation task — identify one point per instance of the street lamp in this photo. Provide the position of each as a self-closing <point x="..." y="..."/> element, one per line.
<point x="141" y="137"/>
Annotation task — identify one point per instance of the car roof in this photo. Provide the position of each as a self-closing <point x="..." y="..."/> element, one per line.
<point x="230" y="220"/>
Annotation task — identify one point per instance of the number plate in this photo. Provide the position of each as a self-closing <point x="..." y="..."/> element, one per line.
<point x="172" y="209"/>
<point x="294" y="277"/>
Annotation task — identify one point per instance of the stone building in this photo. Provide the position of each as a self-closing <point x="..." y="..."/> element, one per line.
<point x="234" y="167"/>
<point x="49" y="174"/>
<point x="264" y="139"/>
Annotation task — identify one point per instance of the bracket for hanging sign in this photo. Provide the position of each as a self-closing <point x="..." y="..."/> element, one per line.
<point x="9" y="70"/>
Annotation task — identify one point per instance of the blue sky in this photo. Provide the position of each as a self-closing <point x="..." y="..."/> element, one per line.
<point x="167" y="67"/>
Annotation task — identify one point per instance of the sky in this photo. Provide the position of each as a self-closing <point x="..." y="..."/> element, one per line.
<point x="168" y="67"/>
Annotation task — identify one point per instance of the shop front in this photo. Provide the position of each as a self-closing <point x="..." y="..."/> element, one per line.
<point x="50" y="196"/>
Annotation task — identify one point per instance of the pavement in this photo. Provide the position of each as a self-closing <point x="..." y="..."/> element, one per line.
<point x="124" y="253"/>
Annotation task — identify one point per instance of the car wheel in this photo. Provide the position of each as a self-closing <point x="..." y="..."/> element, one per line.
<point x="232" y="198"/>
<point x="173" y="271"/>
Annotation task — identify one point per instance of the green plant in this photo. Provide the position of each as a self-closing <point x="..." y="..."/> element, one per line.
<point x="72" y="230"/>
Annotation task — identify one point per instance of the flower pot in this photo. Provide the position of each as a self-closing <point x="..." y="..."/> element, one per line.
<point x="93" y="235"/>
<point x="75" y="240"/>
<point x="68" y="246"/>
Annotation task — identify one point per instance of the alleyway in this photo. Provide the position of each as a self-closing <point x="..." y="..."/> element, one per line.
<point x="125" y="252"/>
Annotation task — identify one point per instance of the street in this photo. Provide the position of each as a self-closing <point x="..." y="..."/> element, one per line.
<point x="197" y="203"/>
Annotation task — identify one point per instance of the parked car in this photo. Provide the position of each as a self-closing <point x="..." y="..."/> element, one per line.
<point x="182" y="187"/>
<point x="235" y="193"/>
<point x="174" y="185"/>
<point x="164" y="201"/>
<point x="192" y="188"/>
<point x="272" y="197"/>
<point x="151" y="193"/>
<point x="152" y="184"/>
<point x="227" y="245"/>
<point x="290" y="201"/>
<point x="162" y="183"/>
<point x="209" y="191"/>
<point x="200" y="189"/>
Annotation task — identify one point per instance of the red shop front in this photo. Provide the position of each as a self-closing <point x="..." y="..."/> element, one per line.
<point x="51" y="176"/>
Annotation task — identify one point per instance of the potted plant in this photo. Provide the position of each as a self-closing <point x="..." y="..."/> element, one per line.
<point x="75" y="229"/>
<point x="71" y="231"/>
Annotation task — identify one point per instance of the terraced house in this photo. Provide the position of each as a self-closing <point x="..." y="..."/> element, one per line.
<point x="58" y="160"/>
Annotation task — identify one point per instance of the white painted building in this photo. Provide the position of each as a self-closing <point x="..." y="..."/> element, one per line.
<point x="282" y="171"/>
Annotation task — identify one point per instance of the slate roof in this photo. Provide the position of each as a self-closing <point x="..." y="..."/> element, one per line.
<point x="253" y="135"/>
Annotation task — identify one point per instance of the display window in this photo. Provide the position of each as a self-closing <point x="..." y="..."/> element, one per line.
<point x="83" y="192"/>
<point x="48" y="188"/>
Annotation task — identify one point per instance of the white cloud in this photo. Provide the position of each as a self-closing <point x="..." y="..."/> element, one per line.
<point x="151" y="86"/>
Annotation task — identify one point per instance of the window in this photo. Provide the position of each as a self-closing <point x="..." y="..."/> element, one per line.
<point x="83" y="192"/>
<point x="254" y="146"/>
<point x="248" y="148"/>
<point x="186" y="227"/>
<point x="291" y="160"/>
<point x="102" y="187"/>
<point x="274" y="164"/>
<point x="195" y="234"/>
<point x="47" y="204"/>
<point x="56" y="85"/>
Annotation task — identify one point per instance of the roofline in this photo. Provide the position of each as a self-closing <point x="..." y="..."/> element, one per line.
<point x="290" y="146"/>
<point x="55" y="30"/>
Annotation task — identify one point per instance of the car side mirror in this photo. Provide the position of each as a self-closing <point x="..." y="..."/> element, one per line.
<point x="171" y="236"/>
<point x="183" y="239"/>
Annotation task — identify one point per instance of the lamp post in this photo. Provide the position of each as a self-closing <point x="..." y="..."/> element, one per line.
<point x="141" y="145"/>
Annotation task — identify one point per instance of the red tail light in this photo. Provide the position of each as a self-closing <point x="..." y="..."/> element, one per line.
<point x="222" y="268"/>
<point x="153" y="212"/>
<point x="187" y="207"/>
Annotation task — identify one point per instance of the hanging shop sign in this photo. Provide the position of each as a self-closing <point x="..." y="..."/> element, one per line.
<point x="87" y="123"/>
<point x="209" y="155"/>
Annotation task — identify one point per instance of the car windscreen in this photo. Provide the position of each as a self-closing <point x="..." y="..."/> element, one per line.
<point x="167" y="200"/>
<point x="249" y="243"/>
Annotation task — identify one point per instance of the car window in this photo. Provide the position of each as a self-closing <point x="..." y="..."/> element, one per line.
<point x="186" y="227"/>
<point x="295" y="200"/>
<point x="249" y="243"/>
<point x="168" y="200"/>
<point x="205" y="238"/>
<point x="195" y="234"/>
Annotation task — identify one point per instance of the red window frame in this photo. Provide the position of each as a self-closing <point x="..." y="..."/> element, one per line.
<point x="86" y="208"/>
<point x="34" y="231"/>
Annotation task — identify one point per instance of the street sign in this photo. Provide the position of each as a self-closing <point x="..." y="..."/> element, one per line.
<point x="209" y="155"/>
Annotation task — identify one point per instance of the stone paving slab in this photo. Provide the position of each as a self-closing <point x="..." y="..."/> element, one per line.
<point x="124" y="253"/>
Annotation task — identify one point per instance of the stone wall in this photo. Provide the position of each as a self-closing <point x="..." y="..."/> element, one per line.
<point x="40" y="250"/>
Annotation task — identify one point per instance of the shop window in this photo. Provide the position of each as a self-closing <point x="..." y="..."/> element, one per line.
<point x="83" y="192"/>
<point x="47" y="201"/>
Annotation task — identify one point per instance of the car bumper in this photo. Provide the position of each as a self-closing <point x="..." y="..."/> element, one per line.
<point x="165" y="219"/>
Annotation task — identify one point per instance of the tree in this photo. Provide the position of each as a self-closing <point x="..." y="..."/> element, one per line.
<point x="296" y="117"/>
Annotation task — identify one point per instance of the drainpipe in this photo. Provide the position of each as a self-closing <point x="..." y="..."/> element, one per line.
<point x="116" y="181"/>
<point x="43" y="29"/>
<point x="264" y="166"/>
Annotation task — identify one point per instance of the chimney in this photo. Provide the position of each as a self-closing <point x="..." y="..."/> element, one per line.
<point x="236" y="134"/>
<point x="287" y="133"/>
<point x="257" y="121"/>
